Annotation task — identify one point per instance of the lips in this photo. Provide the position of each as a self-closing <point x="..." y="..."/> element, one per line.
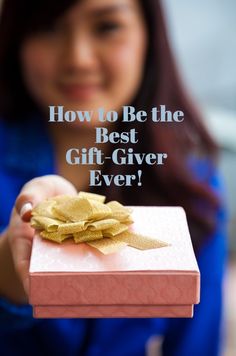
<point x="77" y="91"/>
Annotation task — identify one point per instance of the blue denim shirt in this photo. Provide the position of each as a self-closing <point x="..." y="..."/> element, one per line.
<point x="26" y="152"/>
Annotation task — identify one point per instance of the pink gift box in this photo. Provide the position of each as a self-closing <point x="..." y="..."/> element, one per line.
<point x="71" y="280"/>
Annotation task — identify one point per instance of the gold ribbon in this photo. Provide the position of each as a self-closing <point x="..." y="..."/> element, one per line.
<point x="86" y="218"/>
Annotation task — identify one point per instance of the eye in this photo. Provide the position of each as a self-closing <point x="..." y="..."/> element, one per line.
<point x="108" y="27"/>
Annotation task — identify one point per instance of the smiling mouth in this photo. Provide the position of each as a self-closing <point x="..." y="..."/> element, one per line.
<point x="76" y="91"/>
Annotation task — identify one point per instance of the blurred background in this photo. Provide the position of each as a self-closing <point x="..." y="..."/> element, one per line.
<point x="203" y="37"/>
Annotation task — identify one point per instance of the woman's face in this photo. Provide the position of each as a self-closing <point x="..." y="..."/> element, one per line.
<point x="92" y="57"/>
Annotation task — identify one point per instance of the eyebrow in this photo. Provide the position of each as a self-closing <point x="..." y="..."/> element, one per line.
<point x="108" y="9"/>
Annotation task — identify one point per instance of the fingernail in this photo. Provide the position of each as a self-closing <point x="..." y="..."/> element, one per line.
<point x="26" y="208"/>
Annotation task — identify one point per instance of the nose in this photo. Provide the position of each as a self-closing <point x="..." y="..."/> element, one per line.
<point x="80" y="52"/>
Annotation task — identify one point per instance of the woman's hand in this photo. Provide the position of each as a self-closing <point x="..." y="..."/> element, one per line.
<point x="19" y="232"/>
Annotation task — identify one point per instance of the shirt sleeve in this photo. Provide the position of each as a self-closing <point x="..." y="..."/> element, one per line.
<point x="203" y="334"/>
<point x="13" y="316"/>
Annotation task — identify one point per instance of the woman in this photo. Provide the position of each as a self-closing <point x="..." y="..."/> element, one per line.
<point x="84" y="55"/>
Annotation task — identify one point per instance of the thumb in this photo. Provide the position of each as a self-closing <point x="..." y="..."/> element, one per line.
<point x="39" y="189"/>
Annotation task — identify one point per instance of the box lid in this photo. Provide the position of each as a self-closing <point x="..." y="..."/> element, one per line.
<point x="75" y="274"/>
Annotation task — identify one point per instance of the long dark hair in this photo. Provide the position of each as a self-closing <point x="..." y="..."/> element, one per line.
<point x="171" y="184"/>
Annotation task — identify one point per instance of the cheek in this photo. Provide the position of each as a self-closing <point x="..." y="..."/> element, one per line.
<point x="37" y="65"/>
<point x="126" y="64"/>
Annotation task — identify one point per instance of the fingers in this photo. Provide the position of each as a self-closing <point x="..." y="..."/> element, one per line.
<point x="39" y="189"/>
<point x="20" y="237"/>
<point x="20" y="233"/>
<point x="21" y="257"/>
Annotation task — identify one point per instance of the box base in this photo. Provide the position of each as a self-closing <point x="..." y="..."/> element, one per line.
<point x="111" y="311"/>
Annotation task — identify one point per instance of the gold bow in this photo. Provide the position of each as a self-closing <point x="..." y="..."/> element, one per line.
<point x="86" y="218"/>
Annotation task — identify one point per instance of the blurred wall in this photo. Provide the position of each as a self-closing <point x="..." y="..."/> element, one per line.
<point x="204" y="39"/>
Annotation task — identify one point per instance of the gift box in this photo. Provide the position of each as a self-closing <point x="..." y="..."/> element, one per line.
<point x="71" y="280"/>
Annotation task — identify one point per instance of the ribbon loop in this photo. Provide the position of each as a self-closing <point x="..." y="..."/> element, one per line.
<point x="86" y="218"/>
